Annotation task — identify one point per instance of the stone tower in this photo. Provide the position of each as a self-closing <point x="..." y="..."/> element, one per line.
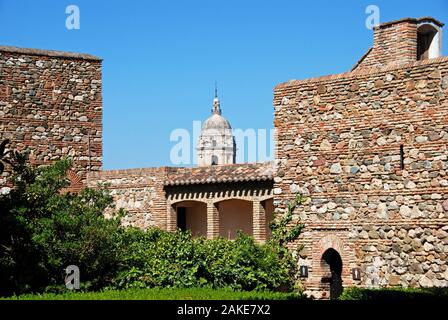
<point x="216" y="144"/>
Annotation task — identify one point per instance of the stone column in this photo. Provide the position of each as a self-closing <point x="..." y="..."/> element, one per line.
<point x="259" y="221"/>
<point x="212" y="221"/>
<point x="171" y="218"/>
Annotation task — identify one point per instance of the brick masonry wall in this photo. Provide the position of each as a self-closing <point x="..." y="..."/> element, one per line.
<point x="148" y="202"/>
<point x="138" y="191"/>
<point x="50" y="103"/>
<point x="338" y="141"/>
<point x="394" y="43"/>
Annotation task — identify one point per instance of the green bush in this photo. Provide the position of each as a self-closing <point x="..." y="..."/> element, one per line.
<point x="389" y="294"/>
<point x="43" y="230"/>
<point x="244" y="265"/>
<point x="156" y="258"/>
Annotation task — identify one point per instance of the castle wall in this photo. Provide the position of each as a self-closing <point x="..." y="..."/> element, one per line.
<point x="338" y="141"/>
<point x="138" y="191"/>
<point x="50" y="104"/>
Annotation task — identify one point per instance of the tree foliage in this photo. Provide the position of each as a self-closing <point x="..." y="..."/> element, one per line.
<point x="43" y="230"/>
<point x="284" y="229"/>
<point x="156" y="258"/>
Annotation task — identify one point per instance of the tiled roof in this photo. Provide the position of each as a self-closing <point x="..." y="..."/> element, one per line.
<point x="221" y="174"/>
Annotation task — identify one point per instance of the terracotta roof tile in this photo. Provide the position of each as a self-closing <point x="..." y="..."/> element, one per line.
<point x="221" y="174"/>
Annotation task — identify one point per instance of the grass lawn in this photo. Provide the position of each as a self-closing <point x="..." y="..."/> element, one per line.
<point x="163" y="294"/>
<point x="394" y="294"/>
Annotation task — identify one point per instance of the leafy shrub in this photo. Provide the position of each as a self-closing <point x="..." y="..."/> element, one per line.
<point x="156" y="258"/>
<point x="285" y="231"/>
<point x="43" y="230"/>
<point x="244" y="265"/>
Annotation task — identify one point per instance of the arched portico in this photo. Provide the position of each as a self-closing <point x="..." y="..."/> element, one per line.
<point x="228" y="207"/>
<point x="235" y="215"/>
<point x="192" y="216"/>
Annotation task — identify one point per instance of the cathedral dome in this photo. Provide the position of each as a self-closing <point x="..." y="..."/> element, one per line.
<point x="216" y="121"/>
<point x="216" y="144"/>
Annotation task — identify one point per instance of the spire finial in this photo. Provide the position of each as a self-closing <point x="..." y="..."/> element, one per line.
<point x="216" y="105"/>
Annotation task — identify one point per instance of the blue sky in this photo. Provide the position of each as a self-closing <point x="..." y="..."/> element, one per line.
<point x="161" y="58"/>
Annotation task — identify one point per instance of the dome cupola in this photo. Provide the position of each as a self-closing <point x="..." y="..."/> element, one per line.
<point x="216" y="144"/>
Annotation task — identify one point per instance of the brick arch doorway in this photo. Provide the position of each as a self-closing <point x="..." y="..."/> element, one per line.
<point x="331" y="263"/>
<point x="192" y="215"/>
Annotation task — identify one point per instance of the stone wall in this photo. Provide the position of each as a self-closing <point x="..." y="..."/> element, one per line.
<point x="339" y="141"/>
<point x="150" y="195"/>
<point x="50" y="104"/>
<point x="138" y="191"/>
